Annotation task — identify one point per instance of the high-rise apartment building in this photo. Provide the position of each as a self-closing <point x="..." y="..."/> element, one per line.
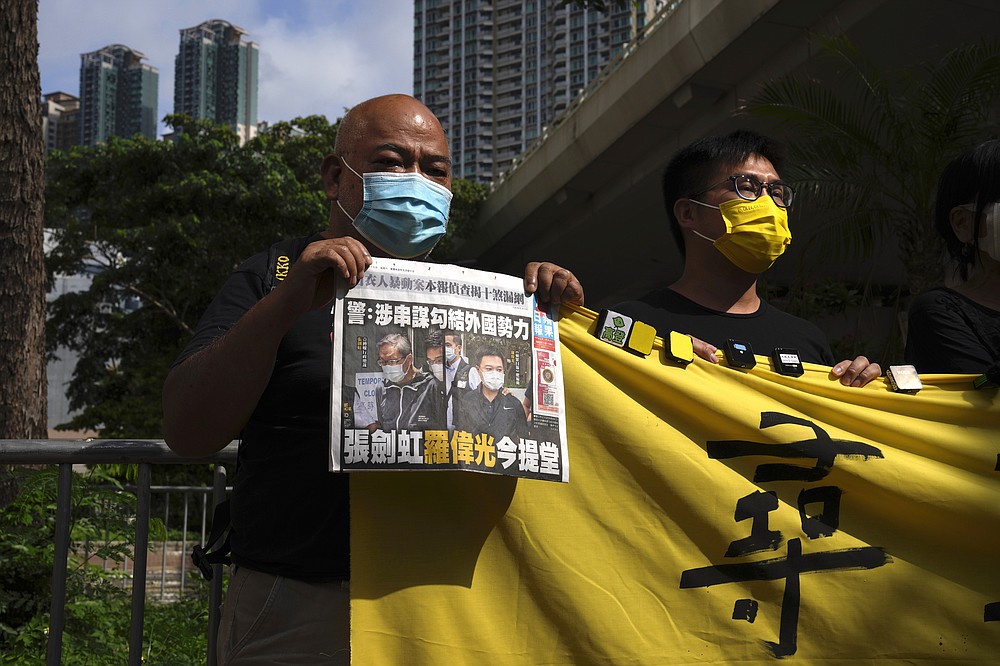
<point x="60" y="121"/>
<point x="496" y="72"/>
<point x="215" y="76"/>
<point x="118" y="95"/>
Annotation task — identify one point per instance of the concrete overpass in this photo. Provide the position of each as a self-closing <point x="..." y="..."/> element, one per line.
<point x="587" y="195"/>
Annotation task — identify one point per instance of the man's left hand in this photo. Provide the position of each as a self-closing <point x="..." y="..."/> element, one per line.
<point x="856" y="373"/>
<point x="552" y="284"/>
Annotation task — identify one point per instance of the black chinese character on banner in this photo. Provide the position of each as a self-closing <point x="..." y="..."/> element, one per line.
<point x="820" y="447"/>
<point x="817" y="524"/>
<point x="790" y="568"/>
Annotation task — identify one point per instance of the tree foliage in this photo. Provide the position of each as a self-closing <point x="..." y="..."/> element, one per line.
<point x="868" y="147"/>
<point x="159" y="225"/>
<point x="467" y="197"/>
<point x="98" y="608"/>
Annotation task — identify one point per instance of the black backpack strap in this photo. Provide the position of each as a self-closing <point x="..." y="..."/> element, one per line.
<point x="280" y="258"/>
<point x="217" y="549"/>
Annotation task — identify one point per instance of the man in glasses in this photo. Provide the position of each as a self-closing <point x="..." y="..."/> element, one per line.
<point x="728" y="211"/>
<point x="407" y="399"/>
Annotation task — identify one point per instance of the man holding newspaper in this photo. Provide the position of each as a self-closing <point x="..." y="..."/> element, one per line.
<point x="258" y="368"/>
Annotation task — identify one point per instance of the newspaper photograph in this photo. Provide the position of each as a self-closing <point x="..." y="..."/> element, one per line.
<point x="439" y="367"/>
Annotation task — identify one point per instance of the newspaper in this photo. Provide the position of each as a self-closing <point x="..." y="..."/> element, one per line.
<point x="497" y="408"/>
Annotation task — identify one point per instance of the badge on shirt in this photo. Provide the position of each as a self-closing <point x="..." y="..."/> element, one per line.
<point x="623" y="331"/>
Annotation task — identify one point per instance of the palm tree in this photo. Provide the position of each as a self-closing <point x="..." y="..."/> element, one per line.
<point x="867" y="149"/>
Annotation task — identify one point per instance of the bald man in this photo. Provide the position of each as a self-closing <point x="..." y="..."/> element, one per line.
<point x="258" y="368"/>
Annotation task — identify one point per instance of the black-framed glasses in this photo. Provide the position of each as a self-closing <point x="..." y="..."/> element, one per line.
<point x="750" y="188"/>
<point x="391" y="361"/>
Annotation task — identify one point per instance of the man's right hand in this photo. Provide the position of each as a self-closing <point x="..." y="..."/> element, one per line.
<point x="704" y="350"/>
<point x="311" y="283"/>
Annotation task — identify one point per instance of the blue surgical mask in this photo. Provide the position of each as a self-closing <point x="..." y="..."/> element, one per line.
<point x="449" y="354"/>
<point x="404" y="214"/>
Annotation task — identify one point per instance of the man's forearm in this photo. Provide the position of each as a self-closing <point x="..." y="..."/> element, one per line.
<point x="209" y="397"/>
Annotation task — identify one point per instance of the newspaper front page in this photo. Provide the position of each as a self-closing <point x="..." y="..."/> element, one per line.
<point x="438" y="367"/>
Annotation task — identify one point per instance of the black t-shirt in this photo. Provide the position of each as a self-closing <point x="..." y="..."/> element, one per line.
<point x="289" y="513"/>
<point x="948" y="333"/>
<point x="766" y="329"/>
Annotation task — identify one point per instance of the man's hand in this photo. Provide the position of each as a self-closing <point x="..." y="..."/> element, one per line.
<point x="552" y="284"/>
<point x="313" y="274"/>
<point x="209" y="397"/>
<point x="704" y="350"/>
<point x="855" y="373"/>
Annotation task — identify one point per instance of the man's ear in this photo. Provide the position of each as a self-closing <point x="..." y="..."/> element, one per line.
<point x="331" y="176"/>
<point x="962" y="223"/>
<point x="684" y="213"/>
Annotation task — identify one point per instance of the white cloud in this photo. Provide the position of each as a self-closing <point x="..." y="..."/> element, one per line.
<point x="335" y="61"/>
<point x="316" y="56"/>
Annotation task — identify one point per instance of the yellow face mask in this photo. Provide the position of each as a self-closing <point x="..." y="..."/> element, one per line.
<point x="756" y="232"/>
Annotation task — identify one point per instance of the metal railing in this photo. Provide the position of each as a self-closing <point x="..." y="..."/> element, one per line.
<point x="145" y="454"/>
<point x="168" y="548"/>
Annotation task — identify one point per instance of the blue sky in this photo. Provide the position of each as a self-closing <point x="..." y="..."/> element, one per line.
<point x="316" y="56"/>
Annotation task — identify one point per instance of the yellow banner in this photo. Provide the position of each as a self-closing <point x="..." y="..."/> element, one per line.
<point x="713" y="515"/>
